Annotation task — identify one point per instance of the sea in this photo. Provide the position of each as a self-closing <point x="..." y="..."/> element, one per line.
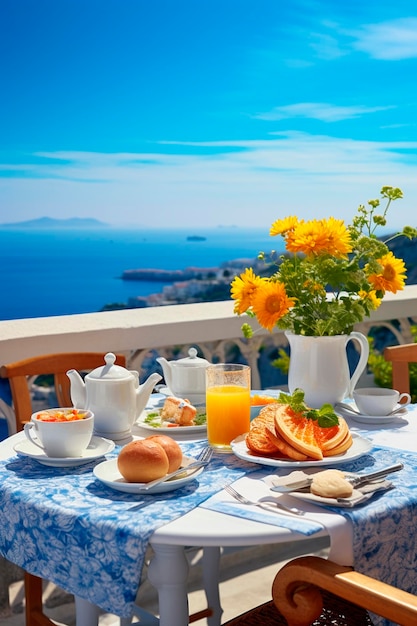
<point x="49" y="272"/>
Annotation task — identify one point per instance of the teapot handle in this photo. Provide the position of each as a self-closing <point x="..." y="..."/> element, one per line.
<point x="363" y="359"/>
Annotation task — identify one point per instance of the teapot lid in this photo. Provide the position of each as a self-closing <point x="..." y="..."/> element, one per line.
<point x="191" y="361"/>
<point x="110" y="371"/>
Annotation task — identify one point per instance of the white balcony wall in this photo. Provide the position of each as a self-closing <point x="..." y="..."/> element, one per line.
<point x="212" y="326"/>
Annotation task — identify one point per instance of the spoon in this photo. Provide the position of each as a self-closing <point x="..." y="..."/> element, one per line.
<point x="349" y="409"/>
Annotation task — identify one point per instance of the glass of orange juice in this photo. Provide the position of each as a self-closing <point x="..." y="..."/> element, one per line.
<point x="227" y="403"/>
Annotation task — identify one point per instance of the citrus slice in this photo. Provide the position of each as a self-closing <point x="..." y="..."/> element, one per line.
<point x="284" y="448"/>
<point x="298" y="431"/>
<point x="332" y="437"/>
<point x="257" y="440"/>
<point x="344" y="445"/>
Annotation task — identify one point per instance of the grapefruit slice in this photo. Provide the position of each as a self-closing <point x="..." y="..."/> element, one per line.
<point x="298" y="431"/>
<point x="328" y="438"/>
<point x="284" y="447"/>
<point x="257" y="440"/>
<point x="341" y="447"/>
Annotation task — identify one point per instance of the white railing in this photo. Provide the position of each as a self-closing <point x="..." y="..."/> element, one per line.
<point x="140" y="333"/>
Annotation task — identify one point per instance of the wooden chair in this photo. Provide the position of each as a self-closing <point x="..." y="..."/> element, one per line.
<point x="310" y="591"/>
<point x="19" y="374"/>
<point x="400" y="357"/>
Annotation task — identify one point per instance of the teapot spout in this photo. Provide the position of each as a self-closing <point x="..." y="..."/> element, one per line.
<point x="166" y="369"/>
<point x="144" y="391"/>
<point x="77" y="390"/>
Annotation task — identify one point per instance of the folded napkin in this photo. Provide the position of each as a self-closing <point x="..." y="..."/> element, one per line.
<point x="64" y="525"/>
<point x="254" y="490"/>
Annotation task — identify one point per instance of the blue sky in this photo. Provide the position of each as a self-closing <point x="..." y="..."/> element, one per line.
<point x="206" y="112"/>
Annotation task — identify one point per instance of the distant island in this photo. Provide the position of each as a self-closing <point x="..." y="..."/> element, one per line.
<point x="49" y="222"/>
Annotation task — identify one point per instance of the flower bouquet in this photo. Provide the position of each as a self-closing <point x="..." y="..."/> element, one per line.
<point x="331" y="276"/>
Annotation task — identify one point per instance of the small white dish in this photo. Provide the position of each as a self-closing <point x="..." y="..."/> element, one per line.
<point x="360" y="446"/>
<point x="150" y="420"/>
<point x="358" y="497"/>
<point x="370" y="419"/>
<point x="108" y="473"/>
<point x="98" y="447"/>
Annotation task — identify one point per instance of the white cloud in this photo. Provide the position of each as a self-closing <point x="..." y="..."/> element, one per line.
<point x="243" y="182"/>
<point x="326" y="47"/>
<point x="319" y="111"/>
<point x="388" y="41"/>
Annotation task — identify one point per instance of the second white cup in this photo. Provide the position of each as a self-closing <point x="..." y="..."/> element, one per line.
<point x="379" y="400"/>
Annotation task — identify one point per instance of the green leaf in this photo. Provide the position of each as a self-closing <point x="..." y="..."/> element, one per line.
<point x="325" y="416"/>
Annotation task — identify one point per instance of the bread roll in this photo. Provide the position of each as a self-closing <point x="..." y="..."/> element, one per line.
<point x="172" y="450"/>
<point x="142" y="461"/>
<point x="331" y="484"/>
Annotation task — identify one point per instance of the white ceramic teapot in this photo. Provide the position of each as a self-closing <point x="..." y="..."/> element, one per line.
<point x="114" y="395"/>
<point x="186" y="378"/>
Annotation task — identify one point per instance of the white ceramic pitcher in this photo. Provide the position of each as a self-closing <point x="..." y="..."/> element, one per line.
<point x="319" y="366"/>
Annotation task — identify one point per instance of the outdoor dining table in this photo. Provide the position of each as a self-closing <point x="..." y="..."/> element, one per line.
<point x="95" y="548"/>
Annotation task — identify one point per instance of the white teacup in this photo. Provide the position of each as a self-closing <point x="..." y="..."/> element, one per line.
<point x="60" y="439"/>
<point x="379" y="400"/>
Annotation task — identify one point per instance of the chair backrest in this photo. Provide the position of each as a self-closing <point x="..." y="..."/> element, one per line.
<point x="401" y="356"/>
<point x="296" y="593"/>
<point x="19" y="372"/>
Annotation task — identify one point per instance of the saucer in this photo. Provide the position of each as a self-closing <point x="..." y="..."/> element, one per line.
<point x="98" y="447"/>
<point x="108" y="473"/>
<point x="370" y="419"/>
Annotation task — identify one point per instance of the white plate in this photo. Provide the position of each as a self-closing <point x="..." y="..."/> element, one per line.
<point x="108" y="474"/>
<point x="171" y="430"/>
<point x="360" y="446"/>
<point x="372" y="419"/>
<point x="98" y="447"/>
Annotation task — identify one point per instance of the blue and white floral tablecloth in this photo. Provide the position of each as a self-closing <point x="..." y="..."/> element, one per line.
<point x="63" y="525"/>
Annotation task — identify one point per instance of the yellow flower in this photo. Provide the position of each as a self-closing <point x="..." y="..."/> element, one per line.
<point x="339" y="241"/>
<point x="280" y="227"/>
<point x="307" y="237"/>
<point x="270" y="303"/>
<point x="242" y="289"/>
<point x="392" y="276"/>
<point x="371" y="297"/>
<point x="320" y="237"/>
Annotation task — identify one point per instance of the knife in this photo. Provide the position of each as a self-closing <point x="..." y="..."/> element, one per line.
<point x="355" y="481"/>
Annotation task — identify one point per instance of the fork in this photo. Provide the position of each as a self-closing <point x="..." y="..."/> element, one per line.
<point x="263" y="505"/>
<point x="202" y="460"/>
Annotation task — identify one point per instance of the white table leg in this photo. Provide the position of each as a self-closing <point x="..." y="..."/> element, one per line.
<point x="211" y="566"/>
<point x="168" y="573"/>
<point x="86" y="613"/>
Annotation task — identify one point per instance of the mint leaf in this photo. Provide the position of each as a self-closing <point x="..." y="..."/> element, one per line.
<point x="325" y="416"/>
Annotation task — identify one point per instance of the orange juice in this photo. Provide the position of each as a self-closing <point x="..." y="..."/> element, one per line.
<point x="228" y="414"/>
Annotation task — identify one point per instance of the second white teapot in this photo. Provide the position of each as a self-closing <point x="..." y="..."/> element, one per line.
<point x="186" y="378"/>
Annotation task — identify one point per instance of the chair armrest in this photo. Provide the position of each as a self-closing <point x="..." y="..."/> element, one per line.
<point x="296" y="592"/>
